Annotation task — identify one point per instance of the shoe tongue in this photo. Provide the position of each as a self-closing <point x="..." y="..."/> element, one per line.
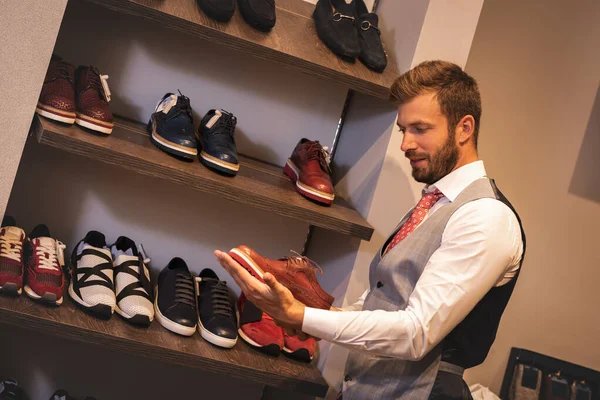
<point x="167" y="103"/>
<point x="45" y="242"/>
<point x="371" y="17"/>
<point x="345" y="7"/>
<point x="211" y="122"/>
<point x="13" y="232"/>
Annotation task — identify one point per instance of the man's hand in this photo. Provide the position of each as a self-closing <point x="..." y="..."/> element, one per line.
<point x="271" y="297"/>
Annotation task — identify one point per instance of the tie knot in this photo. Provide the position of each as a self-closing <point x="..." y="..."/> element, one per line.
<point x="429" y="199"/>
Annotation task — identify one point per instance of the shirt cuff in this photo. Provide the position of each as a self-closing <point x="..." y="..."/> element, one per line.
<point x="320" y="323"/>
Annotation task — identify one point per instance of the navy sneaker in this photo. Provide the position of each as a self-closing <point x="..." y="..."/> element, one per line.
<point x="217" y="141"/>
<point x="171" y="126"/>
<point x="216" y="311"/>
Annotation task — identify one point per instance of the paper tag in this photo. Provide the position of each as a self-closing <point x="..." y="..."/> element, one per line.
<point x="104" y="80"/>
<point x="166" y="105"/>
<point x="60" y="253"/>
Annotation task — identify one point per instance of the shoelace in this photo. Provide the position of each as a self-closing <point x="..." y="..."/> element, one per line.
<point x="62" y="71"/>
<point x="302" y="262"/>
<point x="100" y="83"/>
<point x="317" y="152"/>
<point x="50" y="256"/>
<point x="220" y="298"/>
<point x="184" y="289"/>
<point x="11" y="248"/>
<point x="183" y="107"/>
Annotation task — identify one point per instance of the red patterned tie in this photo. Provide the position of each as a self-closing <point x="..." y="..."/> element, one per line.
<point x="416" y="217"/>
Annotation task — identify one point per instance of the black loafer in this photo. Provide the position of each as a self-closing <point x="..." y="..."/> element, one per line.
<point x="219" y="10"/>
<point x="259" y="14"/>
<point x="369" y="39"/>
<point x="335" y="23"/>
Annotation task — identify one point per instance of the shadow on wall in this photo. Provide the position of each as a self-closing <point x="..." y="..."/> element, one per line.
<point x="586" y="177"/>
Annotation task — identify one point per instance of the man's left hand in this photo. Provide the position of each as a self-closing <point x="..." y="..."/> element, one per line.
<point x="271" y="297"/>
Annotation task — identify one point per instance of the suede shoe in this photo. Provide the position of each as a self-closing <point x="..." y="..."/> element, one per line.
<point x="258" y="329"/>
<point x="308" y="167"/>
<point x="369" y="38"/>
<point x="219" y="10"/>
<point x="296" y="348"/>
<point x="216" y="135"/>
<point x="296" y="273"/>
<point x="335" y="24"/>
<point x="259" y="14"/>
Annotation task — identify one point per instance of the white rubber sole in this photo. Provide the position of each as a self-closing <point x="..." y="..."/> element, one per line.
<point x="180" y="149"/>
<point x="247" y="339"/>
<point x="29" y="292"/>
<point x="215" y="339"/>
<point x="81" y="302"/>
<point x="55" y="117"/>
<point x="223" y="164"/>
<point x="308" y="189"/>
<point x="92" y="126"/>
<point x="249" y="261"/>
<point x="127" y="316"/>
<point x="170" y="325"/>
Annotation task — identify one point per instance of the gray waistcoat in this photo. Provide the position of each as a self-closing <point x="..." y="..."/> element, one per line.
<point x="392" y="280"/>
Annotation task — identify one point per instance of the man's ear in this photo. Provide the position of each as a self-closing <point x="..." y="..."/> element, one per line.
<point x="465" y="129"/>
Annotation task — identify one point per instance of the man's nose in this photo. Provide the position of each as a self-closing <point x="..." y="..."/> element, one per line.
<point x="408" y="143"/>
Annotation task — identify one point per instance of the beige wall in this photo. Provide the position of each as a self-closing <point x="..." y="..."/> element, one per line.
<point x="538" y="66"/>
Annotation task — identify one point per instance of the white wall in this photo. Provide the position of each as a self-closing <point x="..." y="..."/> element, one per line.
<point x="538" y="67"/>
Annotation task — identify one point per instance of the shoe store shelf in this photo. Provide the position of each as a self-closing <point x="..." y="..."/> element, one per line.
<point x="292" y="43"/>
<point x="257" y="184"/>
<point x="155" y="342"/>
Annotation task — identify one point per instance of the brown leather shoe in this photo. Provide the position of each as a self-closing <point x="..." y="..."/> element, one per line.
<point x="92" y="95"/>
<point x="57" y="98"/>
<point x="308" y="166"/>
<point x="295" y="273"/>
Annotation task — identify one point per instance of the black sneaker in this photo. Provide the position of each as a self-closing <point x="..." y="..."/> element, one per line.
<point x="216" y="323"/>
<point x="10" y="390"/>
<point x="61" y="394"/>
<point x="369" y="38"/>
<point x="171" y="126"/>
<point x="175" y="302"/>
<point x="217" y="141"/>
<point x="259" y="14"/>
<point x="219" y="10"/>
<point x="335" y="23"/>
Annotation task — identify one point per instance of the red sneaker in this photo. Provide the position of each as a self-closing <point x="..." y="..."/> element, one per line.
<point x="302" y="350"/>
<point x="12" y="240"/>
<point x="308" y="166"/>
<point x="45" y="259"/>
<point x="258" y="329"/>
<point x="295" y="273"/>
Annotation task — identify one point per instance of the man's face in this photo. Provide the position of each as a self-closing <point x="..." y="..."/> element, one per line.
<point x="427" y="142"/>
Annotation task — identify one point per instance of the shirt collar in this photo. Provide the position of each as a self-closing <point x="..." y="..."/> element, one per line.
<point x="456" y="181"/>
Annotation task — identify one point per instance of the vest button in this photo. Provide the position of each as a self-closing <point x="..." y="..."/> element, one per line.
<point x="379" y="284"/>
<point x="347" y="378"/>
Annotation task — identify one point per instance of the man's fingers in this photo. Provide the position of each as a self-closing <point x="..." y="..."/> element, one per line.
<point x="272" y="282"/>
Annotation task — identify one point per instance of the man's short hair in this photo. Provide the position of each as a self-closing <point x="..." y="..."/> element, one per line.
<point x="457" y="92"/>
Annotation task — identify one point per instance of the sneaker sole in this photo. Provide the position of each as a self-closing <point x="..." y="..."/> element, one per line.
<point x="101" y="311"/>
<point x="215" y="339"/>
<point x="11" y="289"/>
<point x="292" y="172"/>
<point x="301" y="355"/>
<point x="270" y="349"/>
<point x="55" y="114"/>
<point x="137" y="319"/>
<point x="219" y="165"/>
<point x="247" y="263"/>
<point x="48" y="298"/>
<point x="94" y="124"/>
<point x="171" y="325"/>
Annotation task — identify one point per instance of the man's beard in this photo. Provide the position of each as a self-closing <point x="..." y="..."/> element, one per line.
<point x="439" y="165"/>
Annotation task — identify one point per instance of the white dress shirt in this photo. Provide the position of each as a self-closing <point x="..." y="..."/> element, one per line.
<point x="481" y="248"/>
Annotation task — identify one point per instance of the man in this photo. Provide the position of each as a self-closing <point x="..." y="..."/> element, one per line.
<point x="440" y="283"/>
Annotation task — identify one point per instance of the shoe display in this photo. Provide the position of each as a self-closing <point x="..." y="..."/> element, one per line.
<point x="217" y="142"/>
<point x="92" y="283"/>
<point x="296" y="348"/>
<point x="171" y="126"/>
<point x="259" y="14"/>
<point x="295" y="273"/>
<point x="335" y="24"/>
<point x="217" y="323"/>
<point x="44" y="260"/>
<point x="258" y="329"/>
<point x="57" y="98"/>
<point x="175" y="301"/>
<point x="92" y="96"/>
<point x="12" y="241"/>
<point x="133" y="288"/>
<point x="369" y="38"/>
<point x="219" y="10"/>
<point x="308" y="167"/>
<point x="10" y="390"/>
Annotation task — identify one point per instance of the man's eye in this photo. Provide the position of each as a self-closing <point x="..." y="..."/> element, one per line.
<point x="420" y="130"/>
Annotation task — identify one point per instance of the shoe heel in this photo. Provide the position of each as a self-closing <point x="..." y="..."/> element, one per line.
<point x="149" y="126"/>
<point x="289" y="172"/>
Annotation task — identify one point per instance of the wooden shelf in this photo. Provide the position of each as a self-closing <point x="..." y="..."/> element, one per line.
<point x="293" y="42"/>
<point x="257" y="184"/>
<point x="155" y="342"/>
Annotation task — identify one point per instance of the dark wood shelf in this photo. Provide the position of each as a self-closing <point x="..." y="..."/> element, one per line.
<point x="257" y="184"/>
<point x="157" y="343"/>
<point x="293" y="42"/>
